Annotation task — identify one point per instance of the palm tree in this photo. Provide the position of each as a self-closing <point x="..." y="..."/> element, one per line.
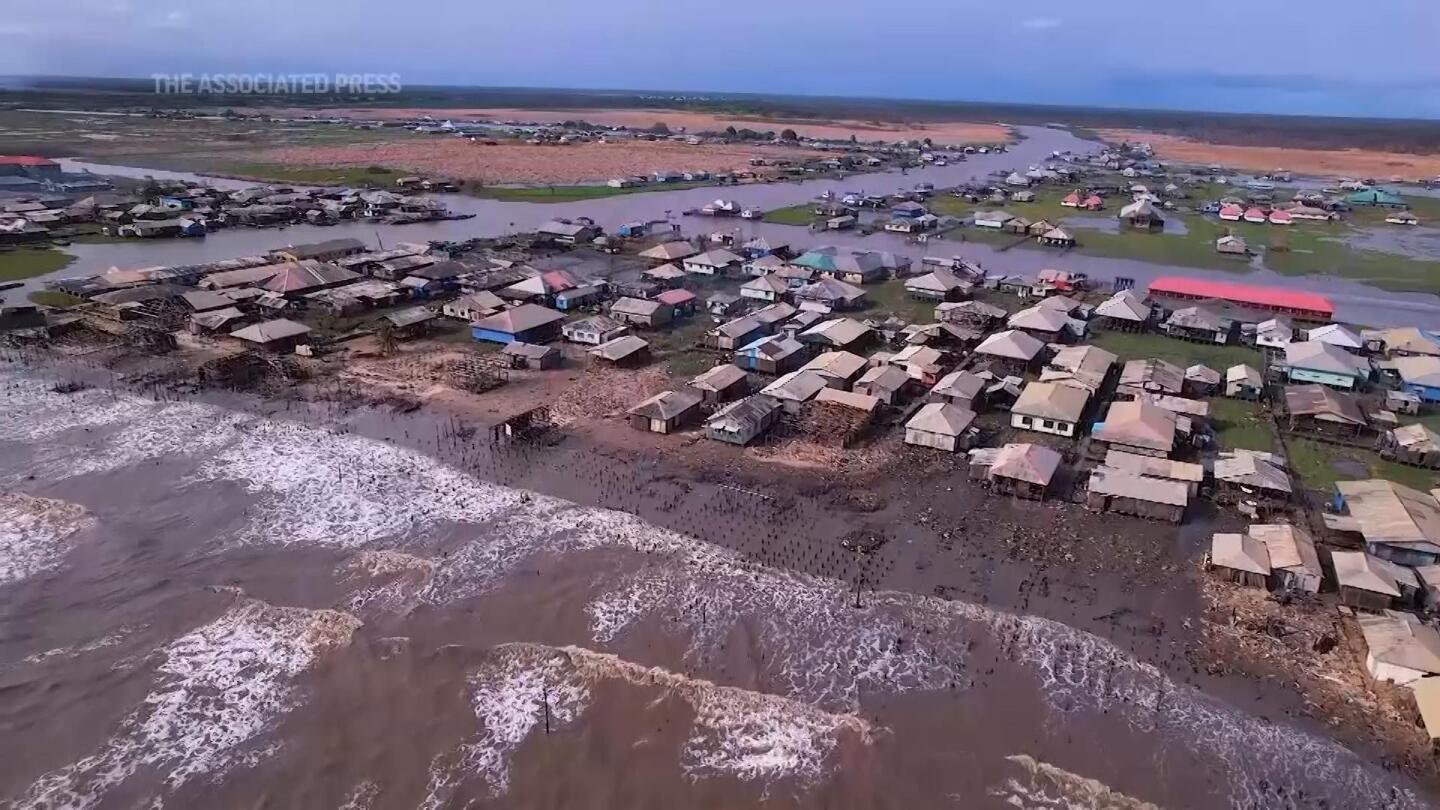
<point x="385" y="335"/>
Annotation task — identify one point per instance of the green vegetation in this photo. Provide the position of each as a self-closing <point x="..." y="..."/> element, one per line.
<point x="1305" y="248"/>
<point x="30" y="262"/>
<point x="1183" y="353"/>
<point x="561" y="194"/>
<point x="1241" y="425"/>
<point x="1320" y="465"/>
<point x="55" y="298"/>
<point x="316" y="175"/>
<point x="800" y="215"/>
<point x="890" y="298"/>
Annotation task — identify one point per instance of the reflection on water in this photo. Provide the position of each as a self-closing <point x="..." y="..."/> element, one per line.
<point x="1355" y="302"/>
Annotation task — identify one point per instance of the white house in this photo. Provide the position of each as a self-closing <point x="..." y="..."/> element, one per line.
<point x="765" y="288"/>
<point x="1053" y="408"/>
<point x="1399" y="648"/>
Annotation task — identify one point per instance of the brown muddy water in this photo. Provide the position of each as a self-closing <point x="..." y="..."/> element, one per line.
<point x="203" y="606"/>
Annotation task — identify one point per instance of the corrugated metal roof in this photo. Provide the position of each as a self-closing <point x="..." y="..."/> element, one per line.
<point x="1242" y="294"/>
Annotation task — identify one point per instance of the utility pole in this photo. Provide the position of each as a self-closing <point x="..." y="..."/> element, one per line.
<point x="545" y="701"/>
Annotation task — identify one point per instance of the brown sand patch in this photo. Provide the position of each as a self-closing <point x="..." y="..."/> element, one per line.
<point x="526" y="164"/>
<point x="1324" y="162"/>
<point x="678" y="120"/>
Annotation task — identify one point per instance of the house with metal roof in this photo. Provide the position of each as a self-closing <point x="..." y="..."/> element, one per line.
<point x="626" y="350"/>
<point x="960" y="388"/>
<point x="764" y="288"/>
<point x="1399" y="647"/>
<point x="771" y="354"/>
<point x="795" y="389"/>
<point x="1323" y="410"/>
<point x="838" y="333"/>
<point x="276" y="335"/>
<point x="938" y="285"/>
<point x="722" y="383"/>
<point x="1012" y="348"/>
<point x="840" y="368"/>
<point x="1240" y="558"/>
<point x="527" y="323"/>
<point x="1024" y="470"/>
<point x="886" y="383"/>
<point x="593" y="330"/>
<point x="1375" y="198"/>
<point x="732" y="334"/>
<point x="1371" y="583"/>
<point x="1124" y="311"/>
<point x="718" y="262"/>
<point x="666" y="412"/>
<point x="532" y="356"/>
<point x="1138" y="426"/>
<point x="1294" y="563"/>
<point x="1419" y="375"/>
<point x="741" y="422"/>
<point x="1338" y="335"/>
<point x="941" y="426"/>
<point x="640" y="312"/>
<point x="1398" y="523"/>
<point x="1049" y="407"/>
<point x="667" y="252"/>
<point x="1129" y="493"/>
<point x="1243" y="382"/>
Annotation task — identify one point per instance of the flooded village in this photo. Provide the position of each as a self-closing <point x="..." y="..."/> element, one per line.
<point x="1163" y="497"/>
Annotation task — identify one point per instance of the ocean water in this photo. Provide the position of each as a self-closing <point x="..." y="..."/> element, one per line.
<point x="782" y="687"/>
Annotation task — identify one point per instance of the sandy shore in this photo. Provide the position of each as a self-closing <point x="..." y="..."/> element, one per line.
<point x="1326" y="162"/>
<point x="526" y="164"/>
<point x="680" y="120"/>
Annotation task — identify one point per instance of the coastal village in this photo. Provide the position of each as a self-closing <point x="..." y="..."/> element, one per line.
<point x="1311" y="445"/>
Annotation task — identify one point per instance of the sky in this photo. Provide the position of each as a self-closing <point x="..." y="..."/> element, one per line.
<point x="1320" y="57"/>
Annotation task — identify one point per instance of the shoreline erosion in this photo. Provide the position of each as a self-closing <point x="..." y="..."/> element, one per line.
<point x="934" y="559"/>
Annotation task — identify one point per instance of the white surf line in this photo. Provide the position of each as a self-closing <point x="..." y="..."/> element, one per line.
<point x="748" y="735"/>
<point x="1046" y="785"/>
<point x="218" y="690"/>
<point x="317" y="487"/>
<point x="35" y="534"/>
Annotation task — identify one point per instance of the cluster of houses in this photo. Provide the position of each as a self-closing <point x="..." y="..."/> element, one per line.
<point x="1381" y="555"/>
<point x="190" y="210"/>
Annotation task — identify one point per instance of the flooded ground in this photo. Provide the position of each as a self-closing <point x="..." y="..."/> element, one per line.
<point x="310" y="605"/>
<point x="1414" y="242"/>
<point x="1355" y="302"/>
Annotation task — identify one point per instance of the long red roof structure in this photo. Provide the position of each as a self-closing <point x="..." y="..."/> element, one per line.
<point x="25" y="160"/>
<point x="1298" y="302"/>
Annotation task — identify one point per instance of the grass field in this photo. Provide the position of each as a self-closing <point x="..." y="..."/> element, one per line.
<point x="1183" y="353"/>
<point x="1320" y="465"/>
<point x="1305" y="248"/>
<point x="1241" y="425"/>
<point x="801" y="215"/>
<point x="30" y="262"/>
<point x="890" y="298"/>
<point x="55" y="298"/>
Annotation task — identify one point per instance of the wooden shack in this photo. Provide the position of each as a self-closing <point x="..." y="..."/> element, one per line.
<point x="1126" y="493"/>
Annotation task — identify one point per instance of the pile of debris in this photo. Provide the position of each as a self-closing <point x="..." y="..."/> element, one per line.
<point x="1305" y="641"/>
<point x="251" y="371"/>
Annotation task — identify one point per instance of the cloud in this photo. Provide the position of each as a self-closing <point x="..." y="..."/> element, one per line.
<point x="175" y="18"/>
<point x="1041" y="23"/>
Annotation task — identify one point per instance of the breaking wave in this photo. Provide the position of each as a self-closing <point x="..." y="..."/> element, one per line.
<point x="35" y="534"/>
<point x="320" y="487"/>
<point x="739" y="733"/>
<point x="218" y="690"/>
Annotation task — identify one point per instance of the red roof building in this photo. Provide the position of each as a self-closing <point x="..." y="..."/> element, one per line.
<point x="1072" y="200"/>
<point x="1255" y="214"/>
<point x="26" y="160"/>
<point x="1312" y="306"/>
<point x="1231" y="212"/>
<point x="40" y="168"/>
<point x="1094" y="203"/>
<point x="1278" y="217"/>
